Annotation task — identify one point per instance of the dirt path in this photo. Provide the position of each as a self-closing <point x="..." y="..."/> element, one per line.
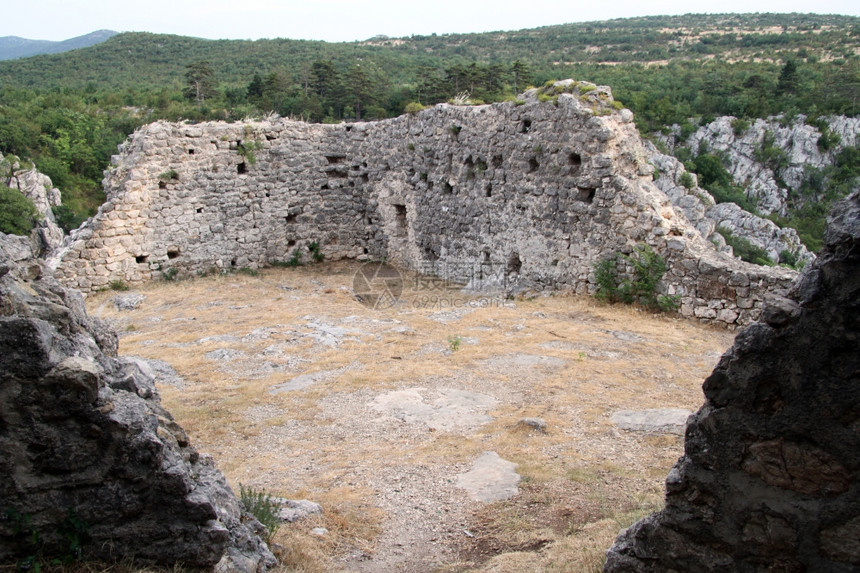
<point x="296" y="387"/>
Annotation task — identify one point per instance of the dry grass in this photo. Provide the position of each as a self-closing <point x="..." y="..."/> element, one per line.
<point x="567" y="360"/>
<point x="127" y="566"/>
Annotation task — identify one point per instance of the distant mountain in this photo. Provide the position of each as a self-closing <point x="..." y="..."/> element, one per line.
<point x="13" y="47"/>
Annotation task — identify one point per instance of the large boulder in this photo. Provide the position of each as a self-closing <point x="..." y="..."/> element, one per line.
<point x="769" y="480"/>
<point x="89" y="459"/>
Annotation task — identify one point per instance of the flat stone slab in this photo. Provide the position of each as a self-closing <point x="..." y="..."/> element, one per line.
<point x="453" y="409"/>
<point x="331" y="335"/>
<point x="305" y="380"/>
<point x="525" y="361"/>
<point x="658" y="420"/>
<point x="490" y="479"/>
<point x="225" y="354"/>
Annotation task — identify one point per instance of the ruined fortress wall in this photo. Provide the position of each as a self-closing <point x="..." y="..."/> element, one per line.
<point x="505" y="196"/>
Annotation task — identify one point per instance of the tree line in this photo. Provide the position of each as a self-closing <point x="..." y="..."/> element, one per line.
<point x="70" y="124"/>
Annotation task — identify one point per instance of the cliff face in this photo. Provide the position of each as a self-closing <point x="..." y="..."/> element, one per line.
<point x="769" y="479"/>
<point x="86" y="450"/>
<point x="505" y="196"/>
<point x="40" y="190"/>
<point x="771" y="159"/>
<point x="796" y="142"/>
<point x="706" y="215"/>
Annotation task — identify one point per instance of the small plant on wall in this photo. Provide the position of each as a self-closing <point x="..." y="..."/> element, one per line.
<point x="247" y="149"/>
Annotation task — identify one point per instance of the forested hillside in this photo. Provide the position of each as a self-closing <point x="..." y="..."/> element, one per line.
<point x="68" y="111"/>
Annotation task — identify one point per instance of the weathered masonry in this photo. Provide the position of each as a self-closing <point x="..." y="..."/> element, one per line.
<point x="503" y="195"/>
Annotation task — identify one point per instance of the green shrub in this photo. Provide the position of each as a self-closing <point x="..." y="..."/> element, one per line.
<point x="740" y="126"/>
<point x="118" y="285"/>
<point x="316" y="253"/>
<point x="744" y="249"/>
<point x="606" y="276"/>
<point x="454" y="343"/>
<point x="262" y="506"/>
<point x="247" y="150"/>
<point x="710" y="170"/>
<point x="732" y="194"/>
<point x="686" y="180"/>
<point x="66" y="218"/>
<point x="18" y="215"/>
<point x="771" y="155"/>
<point x="828" y="139"/>
<point x="648" y="269"/>
<point x="789" y="259"/>
<point x="294" y="261"/>
<point x="28" y="543"/>
<point x="413" y="107"/>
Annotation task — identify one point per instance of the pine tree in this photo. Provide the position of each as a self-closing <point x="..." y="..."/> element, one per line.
<point x="200" y="78"/>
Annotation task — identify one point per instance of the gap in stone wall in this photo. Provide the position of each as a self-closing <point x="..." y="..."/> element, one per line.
<point x="514" y="264"/>
<point x="585" y="194"/>
<point x="400" y="219"/>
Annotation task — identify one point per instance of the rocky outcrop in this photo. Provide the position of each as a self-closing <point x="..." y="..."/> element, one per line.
<point x="87" y="454"/>
<point x="770" y="479"/>
<point x="797" y="140"/>
<point x="517" y="196"/>
<point x="40" y="190"/>
<point x="710" y="217"/>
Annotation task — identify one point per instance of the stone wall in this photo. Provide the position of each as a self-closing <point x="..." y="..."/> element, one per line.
<point x="769" y="478"/>
<point x="511" y="196"/>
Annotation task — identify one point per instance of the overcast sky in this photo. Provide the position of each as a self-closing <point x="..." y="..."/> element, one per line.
<point x="348" y="20"/>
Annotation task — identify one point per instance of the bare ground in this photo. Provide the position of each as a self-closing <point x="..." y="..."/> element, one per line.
<point x="297" y="388"/>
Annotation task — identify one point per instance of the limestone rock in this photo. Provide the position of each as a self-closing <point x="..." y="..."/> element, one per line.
<point x="490" y="479"/>
<point x="532" y="425"/>
<point x="128" y="301"/>
<point x="83" y="436"/>
<point x="769" y="480"/>
<point x="700" y="208"/>
<point x="796" y="139"/>
<point x="295" y="509"/>
<point x="660" y="420"/>
<point x="41" y="191"/>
